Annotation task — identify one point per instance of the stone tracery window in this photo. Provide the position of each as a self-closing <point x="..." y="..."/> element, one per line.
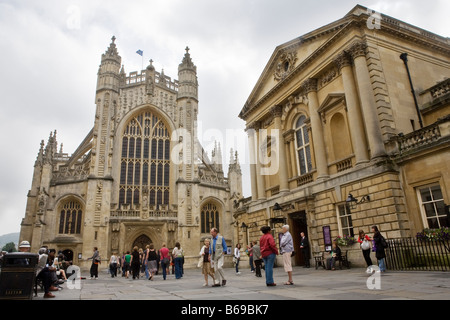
<point x="303" y="147"/>
<point x="209" y="217"/>
<point x="70" y="218"/>
<point x="145" y="163"/>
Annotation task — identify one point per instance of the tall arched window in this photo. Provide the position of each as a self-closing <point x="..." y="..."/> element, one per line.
<point x="302" y="146"/>
<point x="70" y="217"/>
<point x="145" y="163"/>
<point x="209" y="217"/>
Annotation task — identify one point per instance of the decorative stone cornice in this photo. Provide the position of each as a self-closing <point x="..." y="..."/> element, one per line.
<point x="309" y="85"/>
<point x="357" y="49"/>
<point x="343" y="60"/>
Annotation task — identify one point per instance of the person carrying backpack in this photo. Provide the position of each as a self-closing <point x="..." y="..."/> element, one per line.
<point x="380" y="245"/>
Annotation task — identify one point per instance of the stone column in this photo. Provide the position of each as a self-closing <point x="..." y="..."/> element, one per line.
<point x="260" y="179"/>
<point x="289" y="138"/>
<point x="344" y="63"/>
<point x="277" y="111"/>
<point x="257" y="179"/>
<point x="310" y="88"/>
<point x="252" y="154"/>
<point x="369" y="107"/>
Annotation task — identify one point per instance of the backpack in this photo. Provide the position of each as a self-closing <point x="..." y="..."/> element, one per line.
<point x="384" y="243"/>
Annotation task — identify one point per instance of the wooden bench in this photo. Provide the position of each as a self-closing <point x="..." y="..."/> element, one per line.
<point x="343" y="260"/>
<point x="319" y="260"/>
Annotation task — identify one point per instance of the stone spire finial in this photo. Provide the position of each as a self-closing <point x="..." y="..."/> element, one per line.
<point x="40" y="156"/>
<point x="112" y="52"/>
<point x="187" y="61"/>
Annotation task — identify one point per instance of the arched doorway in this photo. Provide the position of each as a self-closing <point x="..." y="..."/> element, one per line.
<point x="68" y="254"/>
<point x="299" y="224"/>
<point x="141" y="242"/>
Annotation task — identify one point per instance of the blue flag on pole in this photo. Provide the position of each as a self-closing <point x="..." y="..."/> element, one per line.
<point x="140" y="52"/>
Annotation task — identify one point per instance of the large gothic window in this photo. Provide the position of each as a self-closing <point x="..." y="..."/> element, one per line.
<point x="145" y="163"/>
<point x="209" y="217"/>
<point x="70" y="218"/>
<point x="303" y="146"/>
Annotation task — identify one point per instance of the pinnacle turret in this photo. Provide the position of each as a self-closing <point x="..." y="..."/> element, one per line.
<point x="187" y="78"/>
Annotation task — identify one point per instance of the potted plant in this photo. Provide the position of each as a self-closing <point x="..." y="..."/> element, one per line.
<point x="345" y="241"/>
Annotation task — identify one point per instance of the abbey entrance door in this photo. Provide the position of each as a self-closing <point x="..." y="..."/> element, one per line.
<point x="298" y="224"/>
<point x="141" y="242"/>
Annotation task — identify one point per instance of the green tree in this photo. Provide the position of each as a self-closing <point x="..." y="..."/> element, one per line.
<point x="9" y="247"/>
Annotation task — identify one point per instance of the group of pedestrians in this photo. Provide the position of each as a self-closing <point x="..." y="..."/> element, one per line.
<point x="138" y="262"/>
<point x="212" y="257"/>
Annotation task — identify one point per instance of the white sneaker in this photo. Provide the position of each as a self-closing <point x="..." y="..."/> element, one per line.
<point x="205" y="284"/>
<point x="238" y="273"/>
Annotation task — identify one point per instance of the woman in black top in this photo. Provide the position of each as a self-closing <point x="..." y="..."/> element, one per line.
<point x="380" y="245"/>
<point x="152" y="261"/>
<point x="135" y="263"/>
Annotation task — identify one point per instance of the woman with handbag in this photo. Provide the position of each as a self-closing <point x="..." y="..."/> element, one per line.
<point x="365" y="242"/>
<point x="95" y="261"/>
<point x="269" y="252"/>
<point x="165" y="259"/>
<point x="205" y="262"/>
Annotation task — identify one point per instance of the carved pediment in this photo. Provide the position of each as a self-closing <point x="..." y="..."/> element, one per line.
<point x="331" y="101"/>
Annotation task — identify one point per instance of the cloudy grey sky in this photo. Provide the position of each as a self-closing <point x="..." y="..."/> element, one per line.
<point x="50" y="52"/>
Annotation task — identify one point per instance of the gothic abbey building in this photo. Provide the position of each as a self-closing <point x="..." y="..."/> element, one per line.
<point x="140" y="176"/>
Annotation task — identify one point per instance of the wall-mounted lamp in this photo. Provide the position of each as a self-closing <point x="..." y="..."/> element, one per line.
<point x="353" y="202"/>
<point x="244" y="227"/>
<point x="277" y="207"/>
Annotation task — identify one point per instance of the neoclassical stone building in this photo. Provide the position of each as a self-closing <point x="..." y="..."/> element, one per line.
<point x="139" y="176"/>
<point x="333" y="114"/>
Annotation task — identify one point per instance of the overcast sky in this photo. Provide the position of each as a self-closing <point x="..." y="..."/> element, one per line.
<point x="50" y="52"/>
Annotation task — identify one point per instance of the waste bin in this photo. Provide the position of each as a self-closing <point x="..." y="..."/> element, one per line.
<point x="18" y="274"/>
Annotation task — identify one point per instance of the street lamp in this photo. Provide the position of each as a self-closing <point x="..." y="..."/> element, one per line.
<point x="353" y="202"/>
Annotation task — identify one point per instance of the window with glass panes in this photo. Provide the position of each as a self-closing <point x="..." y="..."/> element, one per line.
<point x="209" y="217"/>
<point x="145" y="162"/>
<point x="433" y="206"/>
<point x="345" y="219"/>
<point x="303" y="147"/>
<point x="70" y="218"/>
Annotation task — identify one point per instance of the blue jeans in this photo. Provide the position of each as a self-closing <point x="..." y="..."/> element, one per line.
<point x="237" y="264"/>
<point x="382" y="265"/>
<point x="147" y="275"/>
<point x="164" y="269"/>
<point x="269" y="262"/>
<point x="178" y="262"/>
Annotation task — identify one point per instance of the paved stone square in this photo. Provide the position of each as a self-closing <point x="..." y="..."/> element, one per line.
<point x="309" y="284"/>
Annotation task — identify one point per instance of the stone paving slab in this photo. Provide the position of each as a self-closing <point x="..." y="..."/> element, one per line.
<point x="310" y="284"/>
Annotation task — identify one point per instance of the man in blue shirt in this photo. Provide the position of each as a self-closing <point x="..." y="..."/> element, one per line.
<point x="219" y="248"/>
